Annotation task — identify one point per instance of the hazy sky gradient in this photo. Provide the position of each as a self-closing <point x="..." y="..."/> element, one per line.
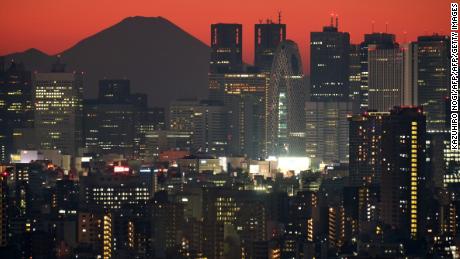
<point x="55" y="25"/>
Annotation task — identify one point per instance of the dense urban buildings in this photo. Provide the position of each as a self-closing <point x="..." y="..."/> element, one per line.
<point x="351" y="161"/>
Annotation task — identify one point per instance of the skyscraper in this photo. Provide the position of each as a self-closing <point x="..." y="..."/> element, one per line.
<point x="286" y="102"/>
<point x="16" y="106"/>
<point x="391" y="76"/>
<point x="205" y="120"/>
<point x="403" y="174"/>
<point x="433" y="54"/>
<point x="355" y="78"/>
<point x="327" y="131"/>
<point x="330" y="50"/>
<point x="226" y="47"/>
<point x="266" y="40"/>
<point x="381" y="41"/>
<point x="57" y="97"/>
<point x="244" y="96"/>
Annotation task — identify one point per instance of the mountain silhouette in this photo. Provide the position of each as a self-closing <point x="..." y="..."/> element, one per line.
<point x="159" y="58"/>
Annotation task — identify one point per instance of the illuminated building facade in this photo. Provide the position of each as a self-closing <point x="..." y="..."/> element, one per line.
<point x="112" y="191"/>
<point x="327" y="131"/>
<point x="403" y="175"/>
<point x="330" y="50"/>
<point x="16" y="107"/>
<point x="444" y="163"/>
<point x="58" y="108"/>
<point x="226" y="47"/>
<point x="266" y="40"/>
<point x="433" y="57"/>
<point x="286" y="103"/>
<point x="95" y="230"/>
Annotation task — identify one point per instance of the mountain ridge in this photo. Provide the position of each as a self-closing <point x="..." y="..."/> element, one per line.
<point x="161" y="59"/>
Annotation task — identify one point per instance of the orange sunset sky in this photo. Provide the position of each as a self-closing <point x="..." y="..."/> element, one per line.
<point x="55" y="25"/>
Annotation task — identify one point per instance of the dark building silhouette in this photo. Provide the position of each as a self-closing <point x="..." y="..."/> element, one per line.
<point x="330" y="50"/>
<point x="16" y="106"/>
<point x="433" y="56"/>
<point x="403" y="174"/>
<point x="266" y="40"/>
<point x="226" y="47"/>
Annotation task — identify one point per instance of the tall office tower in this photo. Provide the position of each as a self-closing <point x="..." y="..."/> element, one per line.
<point x="205" y="120"/>
<point x="354" y="79"/>
<point x="433" y="55"/>
<point x="403" y="175"/>
<point x="266" y="40"/>
<point x="58" y="109"/>
<point x="226" y="47"/>
<point x="330" y="50"/>
<point x="16" y="107"/>
<point x="243" y="95"/>
<point x="392" y="77"/>
<point x="286" y="103"/>
<point x="365" y="161"/>
<point x="327" y="131"/>
<point x="209" y="128"/>
<point x="382" y="41"/>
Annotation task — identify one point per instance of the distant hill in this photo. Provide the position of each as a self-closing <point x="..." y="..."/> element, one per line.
<point x="158" y="57"/>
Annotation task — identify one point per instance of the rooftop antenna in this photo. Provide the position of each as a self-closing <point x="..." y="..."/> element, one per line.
<point x="336" y="21"/>
<point x="386" y="27"/>
<point x="279" y="17"/>
<point x="373" y="23"/>
<point x="261" y="21"/>
<point x="332" y="19"/>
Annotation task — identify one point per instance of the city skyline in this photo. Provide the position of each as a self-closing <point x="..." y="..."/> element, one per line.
<point x="59" y="32"/>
